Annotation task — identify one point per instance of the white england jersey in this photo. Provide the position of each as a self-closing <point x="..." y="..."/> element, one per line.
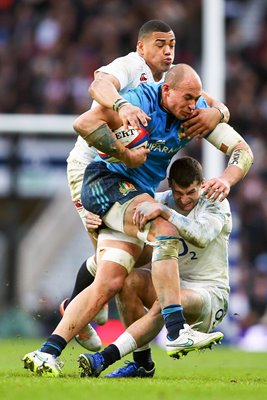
<point x="130" y="70"/>
<point x="208" y="225"/>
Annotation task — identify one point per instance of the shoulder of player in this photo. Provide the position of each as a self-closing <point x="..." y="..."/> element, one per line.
<point x="223" y="206"/>
<point x="148" y="91"/>
<point x="163" y="197"/>
<point x="133" y="61"/>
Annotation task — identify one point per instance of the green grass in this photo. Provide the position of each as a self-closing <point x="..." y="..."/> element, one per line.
<point x="223" y="373"/>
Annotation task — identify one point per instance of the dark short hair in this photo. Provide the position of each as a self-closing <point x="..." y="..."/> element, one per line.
<point x="154" y="25"/>
<point x="185" y="170"/>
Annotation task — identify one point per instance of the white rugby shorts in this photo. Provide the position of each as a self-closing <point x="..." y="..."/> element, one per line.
<point x="215" y="304"/>
<point x="75" y="173"/>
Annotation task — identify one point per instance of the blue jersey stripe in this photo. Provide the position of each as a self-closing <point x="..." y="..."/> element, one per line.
<point x="101" y="198"/>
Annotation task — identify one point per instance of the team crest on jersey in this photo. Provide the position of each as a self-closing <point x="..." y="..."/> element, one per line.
<point x="143" y="77"/>
<point x="126" y="187"/>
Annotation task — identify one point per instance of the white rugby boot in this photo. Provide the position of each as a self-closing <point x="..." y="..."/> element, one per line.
<point x="102" y="316"/>
<point x="191" y="340"/>
<point x="43" y="364"/>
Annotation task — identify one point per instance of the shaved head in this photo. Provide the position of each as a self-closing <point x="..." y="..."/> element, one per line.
<point x="182" y="73"/>
<point x="181" y="90"/>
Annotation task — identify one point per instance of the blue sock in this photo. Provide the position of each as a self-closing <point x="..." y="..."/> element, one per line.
<point x="174" y="320"/>
<point x="54" y="345"/>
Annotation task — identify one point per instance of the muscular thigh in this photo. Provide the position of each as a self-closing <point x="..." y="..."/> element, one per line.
<point x="118" y="248"/>
<point x="120" y="216"/>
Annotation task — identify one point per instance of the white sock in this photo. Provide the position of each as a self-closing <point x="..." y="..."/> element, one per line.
<point x="125" y="343"/>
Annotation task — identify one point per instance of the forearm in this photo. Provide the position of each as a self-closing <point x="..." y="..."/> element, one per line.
<point x="104" y="140"/>
<point x="92" y="127"/>
<point x="232" y="175"/>
<point x="222" y="108"/>
<point x="227" y="140"/>
<point x="224" y="111"/>
<point x="239" y="163"/>
<point x="197" y="232"/>
<point x="104" y="92"/>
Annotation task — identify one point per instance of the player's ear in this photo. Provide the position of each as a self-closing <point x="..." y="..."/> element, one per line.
<point x="140" y="47"/>
<point x="165" y="88"/>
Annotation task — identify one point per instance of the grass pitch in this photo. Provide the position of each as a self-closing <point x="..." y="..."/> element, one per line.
<point x="223" y="373"/>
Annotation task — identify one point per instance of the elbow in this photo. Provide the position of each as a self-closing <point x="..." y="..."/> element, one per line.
<point x="93" y="88"/>
<point x="251" y="159"/>
<point x="251" y="155"/>
<point x="78" y="126"/>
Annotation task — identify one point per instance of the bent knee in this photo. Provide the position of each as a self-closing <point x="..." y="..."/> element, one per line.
<point x="161" y="227"/>
<point x="78" y="125"/>
<point x="112" y="286"/>
<point x="116" y="285"/>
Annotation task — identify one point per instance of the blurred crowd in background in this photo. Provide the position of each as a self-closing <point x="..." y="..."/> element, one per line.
<point x="50" y="49"/>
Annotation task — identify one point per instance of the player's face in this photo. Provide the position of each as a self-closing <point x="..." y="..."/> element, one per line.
<point x="186" y="198"/>
<point x="157" y="50"/>
<point x="181" y="100"/>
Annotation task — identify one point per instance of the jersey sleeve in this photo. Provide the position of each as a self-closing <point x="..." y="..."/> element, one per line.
<point x="160" y="197"/>
<point x="201" y="231"/>
<point x="201" y="103"/>
<point x="139" y="98"/>
<point x="122" y="69"/>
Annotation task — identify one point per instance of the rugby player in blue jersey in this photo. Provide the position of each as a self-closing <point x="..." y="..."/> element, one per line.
<point x="114" y="190"/>
<point x="153" y="57"/>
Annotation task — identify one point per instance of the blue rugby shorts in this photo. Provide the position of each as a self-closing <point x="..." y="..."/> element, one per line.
<point x="102" y="188"/>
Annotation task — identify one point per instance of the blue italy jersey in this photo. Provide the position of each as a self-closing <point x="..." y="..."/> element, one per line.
<point x="164" y="139"/>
